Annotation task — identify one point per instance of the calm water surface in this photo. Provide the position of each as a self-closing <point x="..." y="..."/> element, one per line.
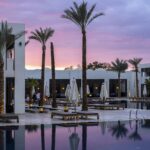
<point x="130" y="135"/>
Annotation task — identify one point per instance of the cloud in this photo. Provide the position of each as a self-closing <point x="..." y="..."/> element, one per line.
<point x="122" y="32"/>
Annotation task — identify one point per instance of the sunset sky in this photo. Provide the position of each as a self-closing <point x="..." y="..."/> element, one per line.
<point x="123" y="32"/>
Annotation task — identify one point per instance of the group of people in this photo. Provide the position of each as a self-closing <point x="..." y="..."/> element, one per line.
<point x="36" y="97"/>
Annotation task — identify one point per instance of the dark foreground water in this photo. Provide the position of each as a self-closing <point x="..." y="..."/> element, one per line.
<point x="130" y="135"/>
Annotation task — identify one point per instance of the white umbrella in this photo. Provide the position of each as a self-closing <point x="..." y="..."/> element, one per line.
<point x="46" y="90"/>
<point x="103" y="92"/>
<point x="74" y="141"/>
<point x="33" y="90"/>
<point x="74" y="93"/>
<point x="87" y="90"/>
<point x="67" y="92"/>
<point x="144" y="91"/>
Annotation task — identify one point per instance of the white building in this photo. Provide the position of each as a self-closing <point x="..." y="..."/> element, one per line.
<point x="14" y="78"/>
<point x="94" y="79"/>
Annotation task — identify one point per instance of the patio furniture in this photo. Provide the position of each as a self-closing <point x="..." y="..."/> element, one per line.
<point x="64" y="115"/>
<point x="85" y="114"/>
<point x="7" y="117"/>
<point x="107" y="106"/>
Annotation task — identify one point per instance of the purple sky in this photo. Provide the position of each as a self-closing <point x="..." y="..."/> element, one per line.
<point x="123" y="32"/>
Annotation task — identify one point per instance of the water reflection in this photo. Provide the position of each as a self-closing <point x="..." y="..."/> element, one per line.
<point x="135" y="135"/>
<point x="74" y="140"/>
<point x="82" y="137"/>
<point x="119" y="130"/>
<point x="31" y="128"/>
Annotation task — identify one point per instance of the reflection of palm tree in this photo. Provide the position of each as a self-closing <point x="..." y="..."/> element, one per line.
<point x="119" y="130"/>
<point x="1" y="139"/>
<point x="53" y="136"/>
<point x="31" y="128"/>
<point x="103" y="127"/>
<point x="135" y="135"/>
<point x="84" y="137"/>
<point x="42" y="137"/>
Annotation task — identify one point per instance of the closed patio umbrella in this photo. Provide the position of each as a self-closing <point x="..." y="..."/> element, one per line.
<point x="67" y="92"/>
<point x="33" y="90"/>
<point x="87" y="90"/>
<point x="103" y="92"/>
<point x="74" y="93"/>
<point x="46" y="90"/>
<point x="144" y="91"/>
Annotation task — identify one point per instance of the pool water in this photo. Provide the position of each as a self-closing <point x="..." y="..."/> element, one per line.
<point x="129" y="135"/>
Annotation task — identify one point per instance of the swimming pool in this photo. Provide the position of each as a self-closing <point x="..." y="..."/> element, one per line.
<point x="129" y="135"/>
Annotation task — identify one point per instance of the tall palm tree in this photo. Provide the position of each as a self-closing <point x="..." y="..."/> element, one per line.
<point x="119" y="66"/>
<point x="42" y="36"/>
<point x="135" y="62"/>
<point x="54" y="104"/>
<point x="82" y="17"/>
<point x="5" y="42"/>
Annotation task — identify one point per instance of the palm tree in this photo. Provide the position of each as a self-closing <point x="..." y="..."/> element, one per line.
<point x="135" y="62"/>
<point x="119" y="66"/>
<point x="5" y="42"/>
<point x="42" y="36"/>
<point x="82" y="17"/>
<point x="54" y="104"/>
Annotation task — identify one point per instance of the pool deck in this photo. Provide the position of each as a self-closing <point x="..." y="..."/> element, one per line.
<point x="105" y="115"/>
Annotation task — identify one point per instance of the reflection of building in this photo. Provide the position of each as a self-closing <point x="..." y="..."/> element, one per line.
<point x="94" y="80"/>
<point x="14" y="62"/>
<point x="12" y="137"/>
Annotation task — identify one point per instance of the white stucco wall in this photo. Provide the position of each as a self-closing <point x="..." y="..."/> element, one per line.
<point x="19" y="72"/>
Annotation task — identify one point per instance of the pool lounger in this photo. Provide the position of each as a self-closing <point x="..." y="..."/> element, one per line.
<point x="64" y="115"/>
<point x="85" y="114"/>
<point x="6" y="117"/>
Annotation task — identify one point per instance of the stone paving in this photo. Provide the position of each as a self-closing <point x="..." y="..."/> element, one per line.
<point x="105" y="115"/>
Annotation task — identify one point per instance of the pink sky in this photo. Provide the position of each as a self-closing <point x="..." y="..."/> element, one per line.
<point x="123" y="32"/>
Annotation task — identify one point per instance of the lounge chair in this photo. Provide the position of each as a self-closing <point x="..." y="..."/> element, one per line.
<point x="64" y="115"/>
<point x="107" y="106"/>
<point x="85" y="114"/>
<point x="7" y="117"/>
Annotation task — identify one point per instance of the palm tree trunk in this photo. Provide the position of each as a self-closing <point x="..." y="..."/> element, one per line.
<point x="84" y="81"/>
<point x="42" y="75"/>
<point x="137" y="83"/>
<point x="53" y="137"/>
<point x="1" y="86"/>
<point x="119" y="85"/>
<point x="54" y="104"/>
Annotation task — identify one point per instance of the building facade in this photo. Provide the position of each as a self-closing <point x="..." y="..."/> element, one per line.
<point x="14" y="73"/>
<point x="94" y="80"/>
